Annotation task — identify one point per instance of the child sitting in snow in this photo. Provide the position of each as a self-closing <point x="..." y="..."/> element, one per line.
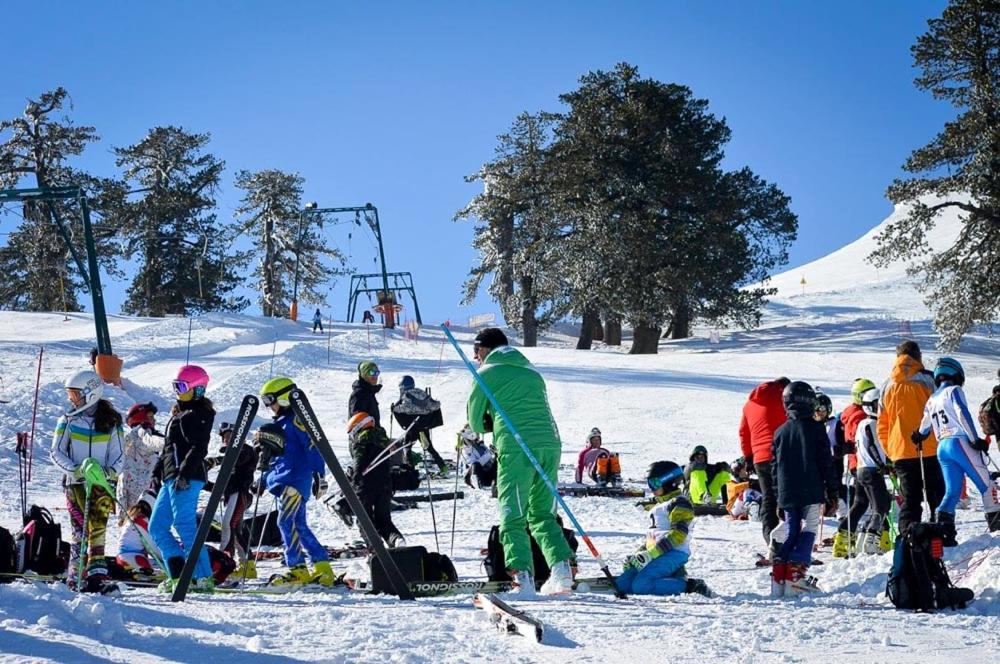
<point x="658" y="567"/>
<point x="597" y="462"/>
<point x="136" y="547"/>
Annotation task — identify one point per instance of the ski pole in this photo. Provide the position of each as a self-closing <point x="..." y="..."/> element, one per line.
<point x="34" y="413"/>
<point x="454" y="503"/>
<point x="253" y="519"/>
<point x="923" y="481"/>
<point x="84" y="544"/>
<point x="430" y="495"/>
<point x="534" y="462"/>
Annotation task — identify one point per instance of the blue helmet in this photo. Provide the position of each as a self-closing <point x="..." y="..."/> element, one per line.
<point x="949" y="369"/>
<point x="407" y="383"/>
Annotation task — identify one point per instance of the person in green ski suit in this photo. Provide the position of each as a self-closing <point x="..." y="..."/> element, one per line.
<point x="523" y="496"/>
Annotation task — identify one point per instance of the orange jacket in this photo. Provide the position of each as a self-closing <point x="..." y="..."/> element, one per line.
<point x="903" y="399"/>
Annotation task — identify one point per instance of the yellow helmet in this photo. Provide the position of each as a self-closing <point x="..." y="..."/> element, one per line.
<point x="276" y="391"/>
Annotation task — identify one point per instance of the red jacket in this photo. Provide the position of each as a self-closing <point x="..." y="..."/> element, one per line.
<point x="763" y="413"/>
<point x="852" y="416"/>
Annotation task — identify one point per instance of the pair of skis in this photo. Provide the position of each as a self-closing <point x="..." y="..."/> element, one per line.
<point x="509" y="619"/>
<point x="307" y="417"/>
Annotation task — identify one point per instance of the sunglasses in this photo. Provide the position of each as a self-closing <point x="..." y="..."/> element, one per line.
<point x="656" y="482"/>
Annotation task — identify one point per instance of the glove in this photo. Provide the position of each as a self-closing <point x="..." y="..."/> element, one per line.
<point x="918" y="439"/>
<point x="637" y="560"/>
<point x="319" y="485"/>
<point x="981" y="445"/>
<point x="181" y="484"/>
<point x="212" y="462"/>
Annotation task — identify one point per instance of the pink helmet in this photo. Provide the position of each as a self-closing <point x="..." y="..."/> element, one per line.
<point x="191" y="377"/>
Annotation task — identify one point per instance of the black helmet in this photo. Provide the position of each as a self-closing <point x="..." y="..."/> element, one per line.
<point x="799" y="398"/>
<point x="698" y="449"/>
<point x="824" y="402"/>
<point x="666" y="474"/>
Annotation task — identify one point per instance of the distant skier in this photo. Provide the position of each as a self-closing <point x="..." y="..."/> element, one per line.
<point x="960" y="449"/>
<point x="802" y="471"/>
<point x="185" y="446"/>
<point x="658" y="567"/>
<point x="142" y="447"/>
<point x="524" y="498"/>
<point x="317" y="322"/>
<point x="292" y="461"/>
<point x="367" y="318"/>
<point x="91" y="429"/>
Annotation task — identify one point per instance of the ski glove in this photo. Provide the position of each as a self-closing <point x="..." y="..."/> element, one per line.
<point x="638" y="560"/>
<point x="981" y="445"/>
<point x="918" y="439"/>
<point x="181" y="484"/>
<point x="319" y="486"/>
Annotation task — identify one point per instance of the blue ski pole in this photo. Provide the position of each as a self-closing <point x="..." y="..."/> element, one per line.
<point x="534" y="462"/>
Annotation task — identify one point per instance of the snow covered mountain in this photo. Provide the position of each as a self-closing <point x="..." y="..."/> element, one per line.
<point x="649" y="408"/>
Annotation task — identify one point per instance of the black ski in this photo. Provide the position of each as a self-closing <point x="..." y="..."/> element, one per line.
<point x="306" y="415"/>
<point x="508" y="619"/>
<point x="244" y="420"/>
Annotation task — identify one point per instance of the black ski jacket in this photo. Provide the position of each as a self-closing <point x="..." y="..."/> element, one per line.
<point x="803" y="465"/>
<point x="242" y="477"/>
<point x="186" y="439"/>
<point x="363" y="400"/>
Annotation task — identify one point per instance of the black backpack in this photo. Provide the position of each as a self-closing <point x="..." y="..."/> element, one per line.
<point x="39" y="544"/>
<point x="8" y="556"/>
<point x="416" y="564"/>
<point x="496" y="566"/>
<point x="918" y="579"/>
<point x="989" y="414"/>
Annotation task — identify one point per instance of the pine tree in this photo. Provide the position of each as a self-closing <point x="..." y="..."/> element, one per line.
<point x="39" y="273"/>
<point x="959" y="57"/>
<point x="271" y="210"/>
<point x="518" y="229"/>
<point x="186" y="264"/>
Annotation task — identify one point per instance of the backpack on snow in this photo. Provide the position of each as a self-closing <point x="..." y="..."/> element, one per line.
<point x="416" y="564"/>
<point x="496" y="566"/>
<point x="404" y="477"/>
<point x="918" y="579"/>
<point x="39" y="544"/>
<point x="989" y="414"/>
<point x="8" y="556"/>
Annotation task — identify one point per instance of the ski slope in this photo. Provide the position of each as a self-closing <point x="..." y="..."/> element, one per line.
<point x="649" y="408"/>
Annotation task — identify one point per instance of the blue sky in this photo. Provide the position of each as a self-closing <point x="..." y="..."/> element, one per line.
<point x="394" y="102"/>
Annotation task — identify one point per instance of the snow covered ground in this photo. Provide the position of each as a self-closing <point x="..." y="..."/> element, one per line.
<point x="649" y="408"/>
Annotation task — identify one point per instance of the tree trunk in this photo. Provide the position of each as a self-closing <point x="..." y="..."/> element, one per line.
<point x="681" y="325"/>
<point x="645" y="339"/>
<point x="598" y="330"/>
<point x="613" y="331"/>
<point x="529" y="323"/>
<point x="591" y="319"/>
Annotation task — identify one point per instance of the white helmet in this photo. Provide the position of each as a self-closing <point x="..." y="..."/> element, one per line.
<point x="90" y="385"/>
<point x="869" y="401"/>
<point x="469" y="436"/>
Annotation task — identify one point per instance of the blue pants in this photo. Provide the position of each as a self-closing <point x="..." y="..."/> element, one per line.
<point x="299" y="541"/>
<point x="178" y="510"/>
<point x="801" y="524"/>
<point x="957" y="460"/>
<point x="656" y="578"/>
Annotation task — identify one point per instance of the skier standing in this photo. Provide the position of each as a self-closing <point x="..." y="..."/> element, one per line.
<point x="363" y="391"/>
<point x="317" y="321"/>
<point x="415" y="403"/>
<point x="960" y="449"/>
<point x="141" y="450"/>
<point x="525" y="501"/>
<point x="185" y="446"/>
<point x="658" y="567"/>
<point x="235" y="499"/>
<point x="293" y="462"/>
<point x="763" y="413"/>
<point x="92" y="429"/>
<point x="801" y="470"/>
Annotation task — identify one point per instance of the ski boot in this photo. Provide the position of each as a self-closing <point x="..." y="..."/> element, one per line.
<point x="175" y="566"/>
<point x="560" y="581"/>
<point x="798" y="582"/>
<point x="947" y="522"/>
<point x="885" y="544"/>
<point x="779" y="573"/>
<point x="323" y="574"/>
<point x="993" y="521"/>
<point x="205" y="584"/>
<point x="697" y="586"/>
<point x="297" y="575"/>
<point x="870" y="544"/>
<point x="523" y="586"/>
<point x="844" y="546"/>
<point x="248" y="567"/>
<point x="96" y="583"/>
<point x="616" y="471"/>
<point x="396" y="540"/>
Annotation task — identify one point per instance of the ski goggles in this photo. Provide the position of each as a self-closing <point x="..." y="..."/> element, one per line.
<point x="372" y="372"/>
<point x="656" y="482"/>
<point x="271" y="398"/>
<point x="181" y="387"/>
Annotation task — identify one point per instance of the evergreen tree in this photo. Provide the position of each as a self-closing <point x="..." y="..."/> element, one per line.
<point x="39" y="273"/>
<point x="959" y="57"/>
<point x="271" y="210"/>
<point x="186" y="264"/>
<point x="518" y="229"/>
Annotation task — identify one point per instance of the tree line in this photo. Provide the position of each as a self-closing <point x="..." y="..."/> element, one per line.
<point x="160" y="212"/>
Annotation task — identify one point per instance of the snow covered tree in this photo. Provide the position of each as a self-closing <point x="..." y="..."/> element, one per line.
<point x="661" y="234"/>
<point x="186" y="264"/>
<point x="39" y="274"/>
<point x="271" y="212"/>
<point x="518" y="229"/>
<point x="959" y="57"/>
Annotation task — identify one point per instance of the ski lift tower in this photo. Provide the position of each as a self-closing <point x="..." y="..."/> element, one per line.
<point x="386" y="297"/>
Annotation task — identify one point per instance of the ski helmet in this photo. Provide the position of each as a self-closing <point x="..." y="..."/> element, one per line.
<point x="140" y="413"/>
<point x="148" y="499"/>
<point x="407" y="383"/>
<point x="869" y="402"/>
<point x="368" y="369"/>
<point x="271" y="437"/>
<point x="949" y="369"/>
<point x="698" y="449"/>
<point x="823" y="402"/>
<point x="276" y="391"/>
<point x="191" y="382"/>
<point x="798" y="397"/>
<point x="225" y="427"/>
<point x="664" y="474"/>
<point x="594" y="433"/>
<point x="90" y="388"/>
<point x="860" y="386"/>
<point x="358" y="423"/>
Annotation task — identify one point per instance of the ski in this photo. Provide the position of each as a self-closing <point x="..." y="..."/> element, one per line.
<point x="307" y="417"/>
<point x="602" y="491"/>
<point x="244" y="420"/>
<point x="410" y="498"/>
<point x="509" y="619"/>
<point x="359" y="550"/>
